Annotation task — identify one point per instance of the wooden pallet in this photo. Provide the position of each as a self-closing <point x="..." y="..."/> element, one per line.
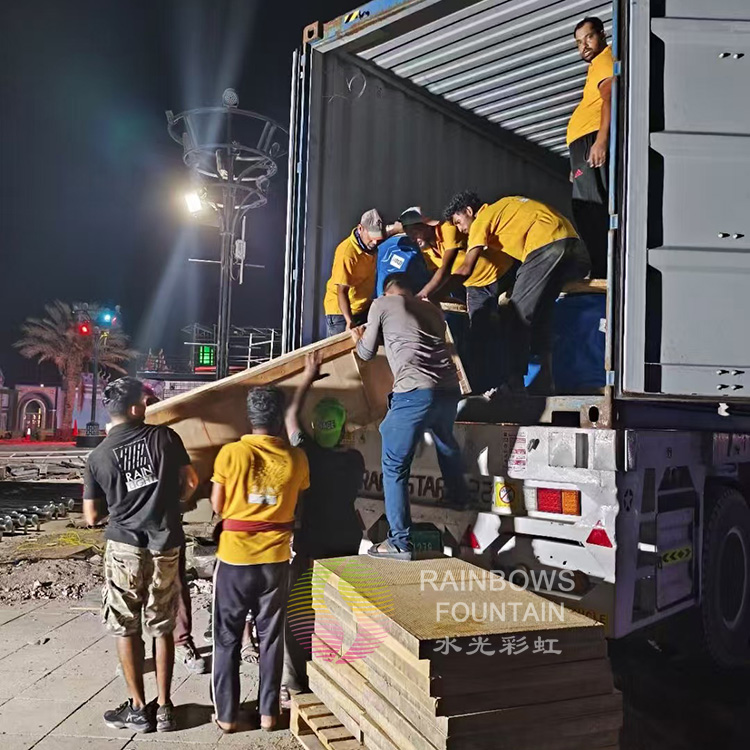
<point x="316" y="728"/>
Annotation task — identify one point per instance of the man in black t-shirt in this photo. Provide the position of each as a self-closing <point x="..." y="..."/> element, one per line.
<point x="328" y="525"/>
<point x="138" y="475"/>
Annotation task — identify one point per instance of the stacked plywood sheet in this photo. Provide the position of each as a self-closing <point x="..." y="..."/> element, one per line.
<point x="404" y="666"/>
<point x="215" y="414"/>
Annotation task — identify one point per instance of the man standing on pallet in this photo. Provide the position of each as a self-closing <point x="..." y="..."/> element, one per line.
<point x="137" y="475"/>
<point x="424" y="399"/>
<point x="256" y="483"/>
<point x="550" y="253"/>
<point x="351" y="287"/>
<point x="588" y="142"/>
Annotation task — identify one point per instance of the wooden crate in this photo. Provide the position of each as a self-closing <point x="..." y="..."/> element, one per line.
<point x="316" y="728"/>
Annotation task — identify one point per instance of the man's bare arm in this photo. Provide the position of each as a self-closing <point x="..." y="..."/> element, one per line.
<point x="312" y="370"/>
<point x="345" y="305"/>
<point x="218" y="496"/>
<point x="441" y="277"/>
<point x="598" y="153"/>
<point x="92" y="512"/>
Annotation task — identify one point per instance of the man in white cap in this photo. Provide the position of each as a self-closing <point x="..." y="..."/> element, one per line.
<point x="350" y="289"/>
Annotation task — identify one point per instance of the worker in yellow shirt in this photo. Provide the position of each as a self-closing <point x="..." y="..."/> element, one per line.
<point x="351" y="287"/>
<point x="550" y="254"/>
<point x="256" y="483"/>
<point x="444" y="246"/>
<point x="588" y="143"/>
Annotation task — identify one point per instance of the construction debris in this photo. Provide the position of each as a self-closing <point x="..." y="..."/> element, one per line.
<point x="465" y="661"/>
<point x="25" y="581"/>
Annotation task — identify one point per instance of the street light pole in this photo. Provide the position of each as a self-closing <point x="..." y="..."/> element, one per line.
<point x="92" y="428"/>
<point x="233" y="178"/>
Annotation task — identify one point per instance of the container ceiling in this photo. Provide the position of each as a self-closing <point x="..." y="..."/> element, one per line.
<point x="513" y="62"/>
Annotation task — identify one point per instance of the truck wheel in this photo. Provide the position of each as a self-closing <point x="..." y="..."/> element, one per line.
<point x="725" y="609"/>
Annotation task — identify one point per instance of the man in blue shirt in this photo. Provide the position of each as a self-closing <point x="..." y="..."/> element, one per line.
<point x="398" y="254"/>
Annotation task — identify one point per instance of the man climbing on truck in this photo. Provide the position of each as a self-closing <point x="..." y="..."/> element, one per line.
<point x="425" y="396"/>
<point x="588" y="143"/>
<point x="550" y="254"/>
<point x="351" y="287"/>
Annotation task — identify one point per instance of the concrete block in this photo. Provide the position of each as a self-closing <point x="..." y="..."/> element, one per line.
<point x="87" y="721"/>
<point x="153" y="741"/>
<point x="80" y="632"/>
<point x="9" y="613"/>
<point x="31" y="627"/>
<point x="53" y="742"/>
<point x="283" y="739"/>
<point x="28" y="716"/>
<point x="17" y="741"/>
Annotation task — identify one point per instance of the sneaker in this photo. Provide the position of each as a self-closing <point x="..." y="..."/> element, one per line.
<point x="165" y="719"/>
<point x="127" y="717"/>
<point x="189" y="657"/>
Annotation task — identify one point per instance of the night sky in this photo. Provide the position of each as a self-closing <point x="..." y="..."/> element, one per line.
<point x="92" y="184"/>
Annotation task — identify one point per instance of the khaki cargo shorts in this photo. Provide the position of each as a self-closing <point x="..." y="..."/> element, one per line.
<point x="140" y="586"/>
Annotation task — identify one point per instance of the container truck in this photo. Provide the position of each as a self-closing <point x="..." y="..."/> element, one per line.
<point x="640" y="489"/>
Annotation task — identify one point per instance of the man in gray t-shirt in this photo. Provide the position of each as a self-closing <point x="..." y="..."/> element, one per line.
<point x="425" y="396"/>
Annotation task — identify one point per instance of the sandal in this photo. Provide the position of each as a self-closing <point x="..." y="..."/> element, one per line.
<point x="388" y="550"/>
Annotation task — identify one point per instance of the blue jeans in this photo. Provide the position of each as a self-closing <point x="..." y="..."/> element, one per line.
<point x="409" y="416"/>
<point x="337" y="323"/>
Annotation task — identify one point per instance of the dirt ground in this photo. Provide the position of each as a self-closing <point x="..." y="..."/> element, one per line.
<point x="25" y="580"/>
<point x="64" y="561"/>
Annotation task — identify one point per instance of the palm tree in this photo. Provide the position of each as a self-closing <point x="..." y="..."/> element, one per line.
<point x="56" y="338"/>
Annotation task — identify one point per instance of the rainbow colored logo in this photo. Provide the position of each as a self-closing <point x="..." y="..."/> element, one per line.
<point x="335" y="616"/>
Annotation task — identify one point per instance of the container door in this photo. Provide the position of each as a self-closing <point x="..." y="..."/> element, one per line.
<point x="296" y="196"/>
<point x="686" y="294"/>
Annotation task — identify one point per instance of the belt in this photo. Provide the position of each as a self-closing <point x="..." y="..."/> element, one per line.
<point x="235" y="524"/>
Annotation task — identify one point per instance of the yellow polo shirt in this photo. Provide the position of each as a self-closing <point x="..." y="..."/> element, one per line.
<point x="490" y="266"/>
<point x="447" y="237"/>
<point x="262" y="478"/>
<point x="587" y="116"/>
<point x="517" y="226"/>
<point x="356" y="269"/>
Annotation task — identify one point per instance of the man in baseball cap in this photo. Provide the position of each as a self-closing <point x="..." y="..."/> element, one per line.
<point x="441" y="243"/>
<point x="351" y="287"/>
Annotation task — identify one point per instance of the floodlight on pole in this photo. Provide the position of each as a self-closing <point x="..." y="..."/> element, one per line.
<point x="232" y="155"/>
<point x="193" y="202"/>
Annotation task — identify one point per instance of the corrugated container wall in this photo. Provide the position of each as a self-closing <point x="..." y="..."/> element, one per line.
<point x="373" y="140"/>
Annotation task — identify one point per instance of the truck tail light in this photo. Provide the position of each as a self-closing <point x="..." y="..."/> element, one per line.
<point x="564" y="502"/>
<point x="549" y="501"/>
<point x="571" y="502"/>
<point x="598" y="537"/>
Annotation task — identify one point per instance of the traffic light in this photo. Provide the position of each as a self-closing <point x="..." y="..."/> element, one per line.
<point x="206" y="356"/>
<point x="84" y="329"/>
<point x="107" y="318"/>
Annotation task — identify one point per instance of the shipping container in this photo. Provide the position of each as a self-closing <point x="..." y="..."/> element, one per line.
<point x="404" y="102"/>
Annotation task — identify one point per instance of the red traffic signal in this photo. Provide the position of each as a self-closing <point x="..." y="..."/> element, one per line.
<point x="84" y="329"/>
